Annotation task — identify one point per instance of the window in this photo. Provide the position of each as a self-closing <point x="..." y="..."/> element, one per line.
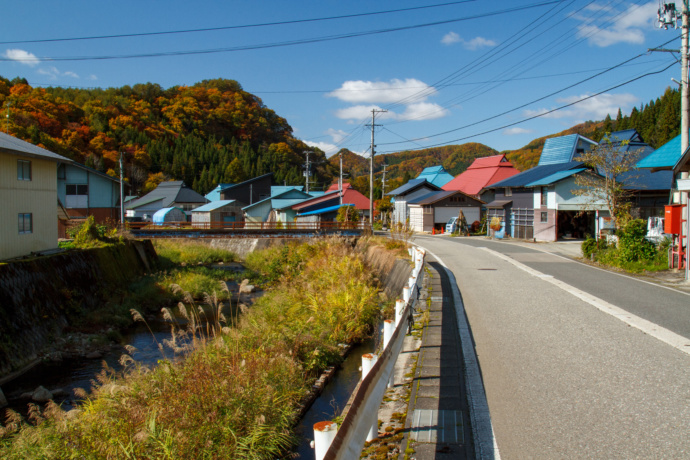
<point x="23" y="170"/>
<point x="428" y="209"/>
<point x="77" y="196"/>
<point x="508" y="191"/>
<point x="544" y="217"/>
<point x="25" y="223"/>
<point x="544" y="196"/>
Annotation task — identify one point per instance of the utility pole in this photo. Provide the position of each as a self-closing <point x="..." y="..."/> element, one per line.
<point x="7" y="118"/>
<point x="371" y="167"/>
<point x="383" y="182"/>
<point x="306" y="172"/>
<point x="668" y="16"/>
<point x="340" y="178"/>
<point x="122" y="192"/>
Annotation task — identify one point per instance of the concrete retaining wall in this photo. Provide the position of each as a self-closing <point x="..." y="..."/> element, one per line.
<point x="38" y="295"/>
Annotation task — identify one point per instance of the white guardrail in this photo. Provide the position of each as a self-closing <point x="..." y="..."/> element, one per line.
<point x="361" y="423"/>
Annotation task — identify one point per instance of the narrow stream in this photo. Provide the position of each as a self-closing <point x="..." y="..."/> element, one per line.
<point x="334" y="397"/>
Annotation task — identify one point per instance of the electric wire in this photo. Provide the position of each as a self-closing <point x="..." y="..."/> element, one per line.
<point x="242" y="26"/>
<point x="279" y="44"/>
<point x="548" y="111"/>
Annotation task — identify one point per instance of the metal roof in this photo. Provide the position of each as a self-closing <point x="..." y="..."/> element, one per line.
<point x="559" y="150"/>
<point x="324" y="210"/>
<point x="555" y="177"/>
<point x="534" y="174"/>
<point x="667" y="156"/>
<point x="169" y="192"/>
<point x="213" y="205"/>
<point x="436" y="175"/>
<point x="278" y="189"/>
<point x="13" y="145"/>
<point x="499" y="203"/>
<point x="411" y="186"/>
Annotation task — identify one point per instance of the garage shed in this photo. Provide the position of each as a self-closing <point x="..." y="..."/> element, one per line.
<point x="435" y="209"/>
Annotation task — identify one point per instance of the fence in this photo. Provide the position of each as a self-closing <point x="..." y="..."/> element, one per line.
<point x="245" y="225"/>
<point x="361" y="421"/>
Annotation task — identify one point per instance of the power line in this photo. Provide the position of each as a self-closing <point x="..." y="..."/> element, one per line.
<point x="242" y="26"/>
<point x="547" y="112"/>
<point x="531" y="102"/>
<point x="283" y="43"/>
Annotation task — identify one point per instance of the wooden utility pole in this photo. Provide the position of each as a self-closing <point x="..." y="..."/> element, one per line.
<point x="122" y="192"/>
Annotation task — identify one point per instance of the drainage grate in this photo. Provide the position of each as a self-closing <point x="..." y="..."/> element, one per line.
<point x="437" y="426"/>
<point x="488" y="269"/>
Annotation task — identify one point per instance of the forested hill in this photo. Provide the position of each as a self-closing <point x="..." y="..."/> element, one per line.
<point x="204" y="134"/>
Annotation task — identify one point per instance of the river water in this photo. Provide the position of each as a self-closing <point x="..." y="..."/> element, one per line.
<point x="68" y="375"/>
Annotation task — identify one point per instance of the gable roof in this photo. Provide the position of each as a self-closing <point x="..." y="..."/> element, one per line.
<point x="168" y="193"/>
<point x="413" y="185"/>
<point x="555" y="177"/>
<point x="290" y="194"/>
<point x="278" y="189"/>
<point x="668" y="156"/>
<point x="214" y="195"/>
<point x="15" y="146"/>
<point x="481" y="173"/>
<point x="213" y="205"/>
<point x="531" y="175"/>
<point x="93" y="171"/>
<point x="248" y="181"/>
<point x="562" y="149"/>
<point x="436" y="175"/>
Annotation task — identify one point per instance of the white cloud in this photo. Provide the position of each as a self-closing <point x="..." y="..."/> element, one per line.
<point x="472" y="45"/>
<point x="423" y="111"/>
<point x="53" y="73"/>
<point x="595" y="108"/>
<point x="627" y="27"/>
<point x="328" y="149"/>
<point x="360" y="112"/>
<point x="450" y="38"/>
<point x="377" y="92"/>
<point x="22" y="56"/>
<point x="516" y="131"/>
<point x="478" y="42"/>
<point x="92" y="77"/>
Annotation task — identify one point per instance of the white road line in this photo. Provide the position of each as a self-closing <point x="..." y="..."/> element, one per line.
<point x="669" y="337"/>
<point x="485" y="444"/>
<point x="622" y="275"/>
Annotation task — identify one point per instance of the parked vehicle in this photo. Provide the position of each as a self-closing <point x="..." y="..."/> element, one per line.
<point x="452" y="225"/>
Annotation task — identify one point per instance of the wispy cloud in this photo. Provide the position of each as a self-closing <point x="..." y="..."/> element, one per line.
<point x="472" y="45"/>
<point x="53" y="73"/>
<point x="450" y="38"/>
<point x="23" y="57"/>
<point x="619" y="26"/>
<point x="595" y="108"/>
<point x="328" y="149"/>
<point x="514" y="131"/>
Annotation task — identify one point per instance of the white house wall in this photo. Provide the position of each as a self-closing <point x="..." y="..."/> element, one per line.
<point x="416" y="218"/>
<point x="567" y="201"/>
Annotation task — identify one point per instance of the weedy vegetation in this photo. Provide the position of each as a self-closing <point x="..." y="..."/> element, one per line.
<point x="237" y="392"/>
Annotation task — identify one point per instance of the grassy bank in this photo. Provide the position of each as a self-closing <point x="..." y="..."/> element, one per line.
<point x="236" y="394"/>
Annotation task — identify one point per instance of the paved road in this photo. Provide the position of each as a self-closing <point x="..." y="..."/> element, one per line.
<point x="564" y="379"/>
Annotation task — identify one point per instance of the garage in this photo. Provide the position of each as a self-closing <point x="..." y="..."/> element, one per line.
<point x="433" y="210"/>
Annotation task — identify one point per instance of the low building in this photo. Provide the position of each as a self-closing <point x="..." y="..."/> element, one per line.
<point x="218" y="214"/>
<point x="482" y="173"/>
<point x="166" y="195"/>
<point x="435" y="209"/>
<point x="436" y="175"/>
<point x="29" y="197"/>
<point x="332" y="197"/>
<point x="278" y="207"/>
<point x="408" y="192"/>
<point x="86" y="192"/>
<point x="249" y="191"/>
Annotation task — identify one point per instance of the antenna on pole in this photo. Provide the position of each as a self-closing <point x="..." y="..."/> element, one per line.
<point x="371" y="166"/>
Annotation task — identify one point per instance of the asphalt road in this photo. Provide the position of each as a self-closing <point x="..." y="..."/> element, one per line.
<point x="564" y="379"/>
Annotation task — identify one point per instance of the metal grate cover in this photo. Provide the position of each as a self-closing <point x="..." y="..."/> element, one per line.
<point x="437" y="426"/>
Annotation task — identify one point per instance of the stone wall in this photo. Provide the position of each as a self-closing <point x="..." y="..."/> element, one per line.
<point x="37" y="295"/>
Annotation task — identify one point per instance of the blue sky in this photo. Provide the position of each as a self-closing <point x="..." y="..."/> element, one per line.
<point x="451" y="67"/>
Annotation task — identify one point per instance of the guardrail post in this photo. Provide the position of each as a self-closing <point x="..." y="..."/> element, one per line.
<point x="411" y="282"/>
<point x="324" y="434"/>
<point x="399" y="306"/>
<point x="406" y="293"/>
<point x="368" y="361"/>
<point x="388" y="330"/>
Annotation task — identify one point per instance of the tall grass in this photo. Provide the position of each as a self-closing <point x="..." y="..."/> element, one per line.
<point x="179" y="252"/>
<point x="237" y="393"/>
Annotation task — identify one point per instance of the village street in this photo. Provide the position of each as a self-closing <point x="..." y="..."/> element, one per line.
<point x="576" y="362"/>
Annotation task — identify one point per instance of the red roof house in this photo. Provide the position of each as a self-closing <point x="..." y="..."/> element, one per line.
<point x="482" y="173"/>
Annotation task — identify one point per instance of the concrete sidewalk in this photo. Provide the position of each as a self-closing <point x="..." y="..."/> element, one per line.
<point x="438" y="419"/>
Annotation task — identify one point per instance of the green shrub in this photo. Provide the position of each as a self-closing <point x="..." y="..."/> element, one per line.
<point x="591" y="246"/>
<point x="632" y="244"/>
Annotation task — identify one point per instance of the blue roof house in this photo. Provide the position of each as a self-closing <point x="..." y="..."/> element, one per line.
<point x="218" y="214"/>
<point x="277" y="208"/>
<point x="436" y="175"/>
